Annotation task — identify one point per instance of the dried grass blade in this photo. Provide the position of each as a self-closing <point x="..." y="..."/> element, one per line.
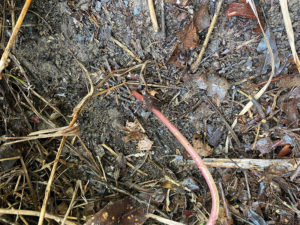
<point x="289" y="30"/>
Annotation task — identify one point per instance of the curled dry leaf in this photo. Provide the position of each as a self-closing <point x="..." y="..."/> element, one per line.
<point x="203" y="149"/>
<point x="244" y="10"/>
<point x="123" y="212"/>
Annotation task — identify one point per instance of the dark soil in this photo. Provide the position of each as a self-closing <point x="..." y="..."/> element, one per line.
<point x="63" y="32"/>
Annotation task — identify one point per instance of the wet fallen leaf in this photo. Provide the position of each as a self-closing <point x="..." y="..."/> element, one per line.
<point x="123" y="212"/>
<point x="145" y="144"/>
<point x="203" y="149"/>
<point x="201" y="17"/>
<point x="188" y="37"/>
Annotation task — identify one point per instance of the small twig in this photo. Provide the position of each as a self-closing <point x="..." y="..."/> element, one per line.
<point x="206" y="40"/>
<point x="33" y="213"/>
<point x="252" y="164"/>
<point x="126" y="49"/>
<point x="163" y="21"/>
<point x="127" y="163"/>
<point x="162" y="220"/>
<point x="153" y="15"/>
<point x="13" y="37"/>
<point x="264" y="88"/>
<point x="33" y="195"/>
<point x="71" y="203"/>
<point x="225" y="204"/>
<point x="235" y="137"/>
<point x="205" y="172"/>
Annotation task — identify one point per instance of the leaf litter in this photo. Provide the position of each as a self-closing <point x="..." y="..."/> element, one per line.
<point x="183" y="196"/>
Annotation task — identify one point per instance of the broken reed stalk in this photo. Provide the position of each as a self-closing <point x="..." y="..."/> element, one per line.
<point x="205" y="172"/>
<point x="33" y="213"/>
<point x="13" y="37"/>
<point x="153" y="15"/>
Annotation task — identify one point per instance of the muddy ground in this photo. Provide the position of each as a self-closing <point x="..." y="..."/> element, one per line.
<point x="61" y="32"/>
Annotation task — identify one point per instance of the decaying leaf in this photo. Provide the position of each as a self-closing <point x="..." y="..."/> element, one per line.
<point x="188" y="37"/>
<point x="203" y="149"/>
<point x="289" y="105"/>
<point x="264" y="145"/>
<point x="177" y="59"/>
<point x="145" y="144"/>
<point x="217" y="88"/>
<point x="201" y="17"/>
<point x="123" y="212"/>
<point x="289" y="82"/>
<point x="215" y="85"/>
<point x="134" y="131"/>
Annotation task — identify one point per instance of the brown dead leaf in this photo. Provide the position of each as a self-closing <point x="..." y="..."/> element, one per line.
<point x="134" y="131"/>
<point x="134" y="135"/>
<point x="188" y="37"/>
<point x="177" y="59"/>
<point x="133" y="126"/>
<point x="123" y="212"/>
<point x="145" y="144"/>
<point x="201" y="17"/>
<point x="203" y="149"/>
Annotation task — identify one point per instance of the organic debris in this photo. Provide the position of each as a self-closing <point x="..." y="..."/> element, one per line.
<point x="188" y="36"/>
<point x="190" y="61"/>
<point x="215" y="85"/>
<point x="135" y="132"/>
<point x="202" y="148"/>
<point x="289" y="106"/>
<point x="123" y="212"/>
<point x="243" y="9"/>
